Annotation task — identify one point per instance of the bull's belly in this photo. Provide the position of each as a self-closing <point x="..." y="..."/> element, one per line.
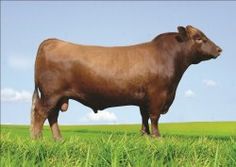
<point x="100" y="101"/>
<point x="98" y="105"/>
<point x="100" y="94"/>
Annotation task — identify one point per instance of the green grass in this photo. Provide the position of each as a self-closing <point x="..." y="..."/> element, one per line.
<point x="182" y="144"/>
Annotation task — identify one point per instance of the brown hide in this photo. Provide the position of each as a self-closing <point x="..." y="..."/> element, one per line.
<point x="145" y="75"/>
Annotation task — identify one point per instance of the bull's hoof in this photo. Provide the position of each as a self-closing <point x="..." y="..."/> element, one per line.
<point x="58" y="139"/>
<point x="156" y="136"/>
<point x="36" y="136"/>
<point x="144" y="133"/>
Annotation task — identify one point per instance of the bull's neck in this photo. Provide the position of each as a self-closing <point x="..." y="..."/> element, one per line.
<point x="180" y="53"/>
<point x="184" y="56"/>
<point x="183" y="59"/>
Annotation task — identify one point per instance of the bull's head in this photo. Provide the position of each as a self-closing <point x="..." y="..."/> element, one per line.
<point x="202" y="47"/>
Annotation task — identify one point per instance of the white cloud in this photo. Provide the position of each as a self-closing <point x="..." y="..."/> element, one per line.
<point x="101" y="116"/>
<point x="189" y="93"/>
<point x="11" y="95"/>
<point x="20" y="62"/>
<point x="209" y="83"/>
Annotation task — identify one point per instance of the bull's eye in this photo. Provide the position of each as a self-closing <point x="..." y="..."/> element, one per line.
<point x="199" y="40"/>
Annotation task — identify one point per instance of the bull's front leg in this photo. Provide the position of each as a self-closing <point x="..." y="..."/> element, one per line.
<point x="154" y="124"/>
<point x="155" y="112"/>
<point x="145" y="117"/>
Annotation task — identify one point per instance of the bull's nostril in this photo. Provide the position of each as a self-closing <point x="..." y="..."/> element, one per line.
<point x="219" y="50"/>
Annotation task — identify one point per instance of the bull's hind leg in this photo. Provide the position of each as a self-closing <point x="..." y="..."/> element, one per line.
<point x="145" y="118"/>
<point x="52" y="119"/>
<point x="41" y="109"/>
<point x="62" y="105"/>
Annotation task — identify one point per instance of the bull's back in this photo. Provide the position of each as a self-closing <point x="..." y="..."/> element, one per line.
<point x="127" y="61"/>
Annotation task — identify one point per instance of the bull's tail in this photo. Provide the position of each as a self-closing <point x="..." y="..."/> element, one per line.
<point x="35" y="98"/>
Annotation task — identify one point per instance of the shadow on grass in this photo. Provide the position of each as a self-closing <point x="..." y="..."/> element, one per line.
<point x="86" y="131"/>
<point x="121" y="133"/>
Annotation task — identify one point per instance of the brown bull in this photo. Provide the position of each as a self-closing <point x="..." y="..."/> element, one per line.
<point x="145" y="75"/>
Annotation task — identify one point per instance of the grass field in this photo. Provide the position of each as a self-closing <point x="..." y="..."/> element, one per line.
<point x="182" y="144"/>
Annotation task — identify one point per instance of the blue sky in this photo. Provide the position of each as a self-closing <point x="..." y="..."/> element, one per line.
<point x="207" y="91"/>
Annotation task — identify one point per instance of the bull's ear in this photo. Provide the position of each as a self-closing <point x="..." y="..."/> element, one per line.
<point x="192" y="32"/>
<point x="183" y="33"/>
